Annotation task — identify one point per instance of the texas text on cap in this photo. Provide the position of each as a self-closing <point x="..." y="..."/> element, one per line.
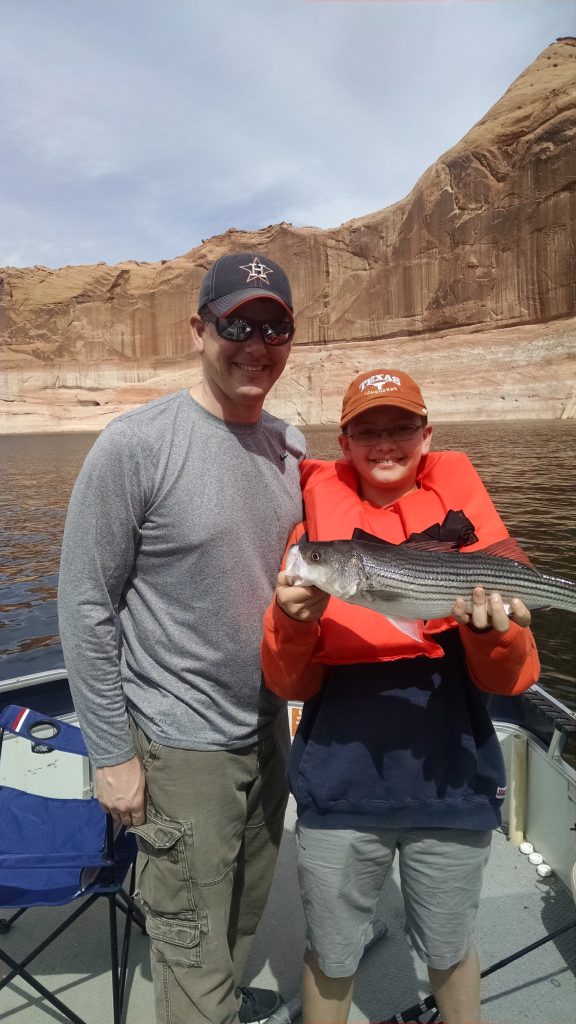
<point x="242" y="276"/>
<point x="381" y="387"/>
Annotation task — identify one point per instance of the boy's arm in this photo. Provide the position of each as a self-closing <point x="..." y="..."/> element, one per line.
<point x="502" y="659"/>
<point x="290" y="637"/>
<point x="286" y="652"/>
<point x="500" y="651"/>
<point x="505" y="663"/>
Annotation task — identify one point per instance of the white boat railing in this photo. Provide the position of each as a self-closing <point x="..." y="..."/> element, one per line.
<point x="33" y="679"/>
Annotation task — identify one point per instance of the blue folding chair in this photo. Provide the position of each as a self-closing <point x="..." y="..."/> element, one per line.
<point x="55" y="850"/>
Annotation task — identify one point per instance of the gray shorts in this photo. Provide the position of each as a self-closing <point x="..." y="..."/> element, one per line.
<point x="342" y="873"/>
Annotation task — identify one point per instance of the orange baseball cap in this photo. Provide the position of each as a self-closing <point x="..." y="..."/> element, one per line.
<point x="381" y="387"/>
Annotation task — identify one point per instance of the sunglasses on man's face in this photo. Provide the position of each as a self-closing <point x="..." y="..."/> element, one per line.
<point x="240" y="328"/>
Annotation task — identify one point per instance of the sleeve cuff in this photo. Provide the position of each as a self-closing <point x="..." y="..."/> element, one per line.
<point x="473" y="637"/>
<point x="290" y="628"/>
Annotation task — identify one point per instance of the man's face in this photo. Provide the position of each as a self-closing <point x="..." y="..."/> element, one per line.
<point x="239" y="375"/>
<point x="388" y="466"/>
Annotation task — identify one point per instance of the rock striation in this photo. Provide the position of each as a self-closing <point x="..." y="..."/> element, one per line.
<point x="475" y="266"/>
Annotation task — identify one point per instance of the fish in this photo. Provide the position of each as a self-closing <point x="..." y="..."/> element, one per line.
<point x="412" y="582"/>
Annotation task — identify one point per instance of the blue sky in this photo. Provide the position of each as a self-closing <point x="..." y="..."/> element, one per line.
<point x="133" y="129"/>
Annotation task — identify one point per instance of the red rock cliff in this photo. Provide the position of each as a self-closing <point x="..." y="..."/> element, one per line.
<point x="485" y="240"/>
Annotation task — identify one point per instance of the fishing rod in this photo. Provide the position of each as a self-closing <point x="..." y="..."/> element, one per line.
<point x="413" y="1013"/>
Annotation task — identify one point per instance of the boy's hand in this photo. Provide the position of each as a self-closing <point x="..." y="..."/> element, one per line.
<point x="305" y="604"/>
<point x="488" y="612"/>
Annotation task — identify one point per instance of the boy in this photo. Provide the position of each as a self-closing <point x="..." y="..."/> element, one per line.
<point x="395" y="750"/>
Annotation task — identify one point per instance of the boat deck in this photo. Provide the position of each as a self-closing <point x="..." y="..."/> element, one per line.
<point x="517" y="908"/>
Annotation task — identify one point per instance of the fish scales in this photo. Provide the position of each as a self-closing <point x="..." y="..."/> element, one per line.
<point x="447" y="571"/>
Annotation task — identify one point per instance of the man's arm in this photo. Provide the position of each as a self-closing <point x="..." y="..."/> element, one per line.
<point x="100" y="541"/>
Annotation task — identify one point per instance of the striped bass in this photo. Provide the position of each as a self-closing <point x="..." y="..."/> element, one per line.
<point x="409" y="582"/>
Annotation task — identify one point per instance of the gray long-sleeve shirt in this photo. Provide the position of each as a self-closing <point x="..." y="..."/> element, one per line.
<point x="173" y="539"/>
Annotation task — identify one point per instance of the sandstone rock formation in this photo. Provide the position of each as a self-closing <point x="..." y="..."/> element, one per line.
<point x="458" y="276"/>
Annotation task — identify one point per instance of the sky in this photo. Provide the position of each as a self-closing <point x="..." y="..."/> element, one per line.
<point x="135" y="129"/>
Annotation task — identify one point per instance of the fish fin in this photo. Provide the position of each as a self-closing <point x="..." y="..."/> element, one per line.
<point x="370" y="538"/>
<point x="411" y="627"/>
<point x="431" y="545"/>
<point x="456" y="527"/>
<point x="424" y="544"/>
<point x="508" y="548"/>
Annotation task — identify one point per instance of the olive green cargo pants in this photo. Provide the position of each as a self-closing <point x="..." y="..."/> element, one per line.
<point x="214" y="822"/>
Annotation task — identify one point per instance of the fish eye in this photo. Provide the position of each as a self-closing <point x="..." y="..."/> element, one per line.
<point x="315" y="556"/>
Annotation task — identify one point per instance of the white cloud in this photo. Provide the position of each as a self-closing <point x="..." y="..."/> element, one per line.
<point x="136" y="129"/>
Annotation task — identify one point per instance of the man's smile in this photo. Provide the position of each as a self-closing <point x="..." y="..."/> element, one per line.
<point x="250" y="367"/>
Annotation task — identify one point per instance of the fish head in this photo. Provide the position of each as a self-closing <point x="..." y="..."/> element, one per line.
<point x="328" y="565"/>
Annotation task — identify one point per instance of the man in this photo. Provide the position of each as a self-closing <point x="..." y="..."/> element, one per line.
<point x="395" y="752"/>
<point x="172" y="543"/>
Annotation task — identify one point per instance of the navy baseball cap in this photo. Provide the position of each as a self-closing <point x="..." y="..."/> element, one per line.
<point x="242" y="276"/>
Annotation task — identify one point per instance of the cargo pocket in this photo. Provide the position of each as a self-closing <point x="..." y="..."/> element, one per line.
<point x="161" y="874"/>
<point x="176" y="940"/>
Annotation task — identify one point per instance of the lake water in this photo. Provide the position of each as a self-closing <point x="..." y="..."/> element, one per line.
<point x="529" y="469"/>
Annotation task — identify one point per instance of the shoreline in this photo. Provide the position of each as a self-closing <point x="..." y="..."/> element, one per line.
<point x="58" y="429"/>
<point x="522" y="373"/>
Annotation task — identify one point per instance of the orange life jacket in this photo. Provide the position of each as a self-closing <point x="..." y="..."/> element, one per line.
<point x="334" y="509"/>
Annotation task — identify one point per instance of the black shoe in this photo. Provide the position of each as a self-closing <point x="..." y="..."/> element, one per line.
<point x="258" y="1004"/>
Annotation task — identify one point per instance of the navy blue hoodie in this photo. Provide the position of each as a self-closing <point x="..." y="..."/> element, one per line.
<point x="399" y="744"/>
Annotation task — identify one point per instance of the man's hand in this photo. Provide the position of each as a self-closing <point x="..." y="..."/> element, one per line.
<point x="488" y="611"/>
<point x="120" y="789"/>
<point x="303" y="603"/>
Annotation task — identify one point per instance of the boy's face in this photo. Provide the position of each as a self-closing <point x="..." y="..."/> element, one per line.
<point x="386" y="465"/>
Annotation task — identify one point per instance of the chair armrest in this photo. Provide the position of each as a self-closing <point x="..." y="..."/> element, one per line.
<point x="33" y="726"/>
